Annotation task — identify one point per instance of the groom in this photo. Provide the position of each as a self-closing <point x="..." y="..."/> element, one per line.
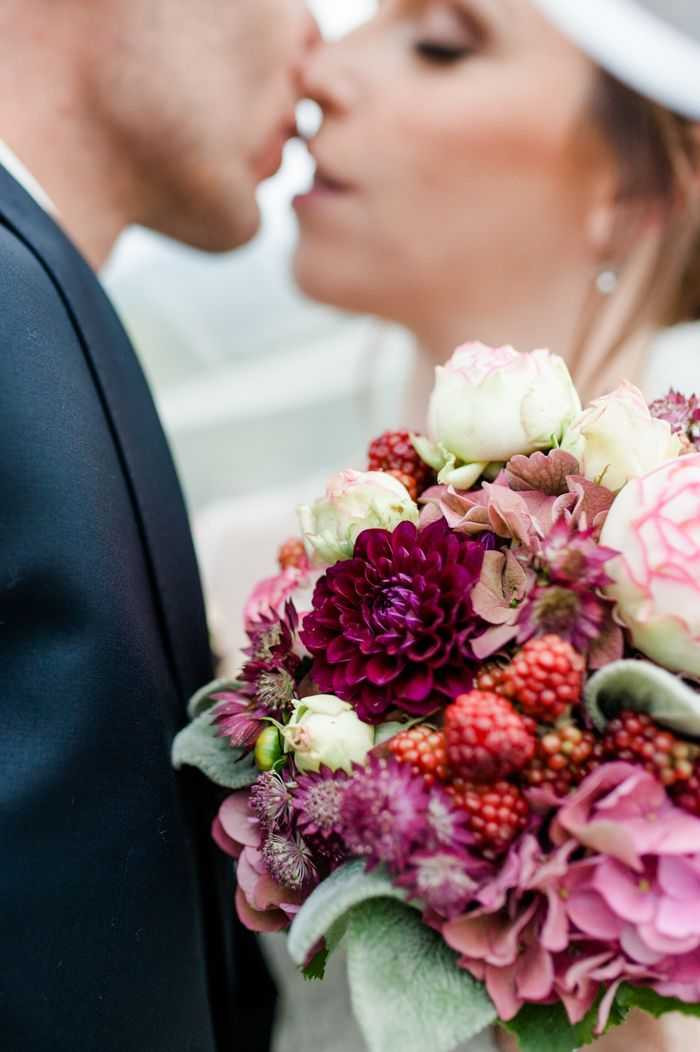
<point x="117" y="930"/>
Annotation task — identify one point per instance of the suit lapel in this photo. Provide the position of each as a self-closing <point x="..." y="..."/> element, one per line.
<point x="131" y="415"/>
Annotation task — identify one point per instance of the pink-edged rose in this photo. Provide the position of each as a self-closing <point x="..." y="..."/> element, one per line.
<point x="354" y="501"/>
<point x="655" y="523"/>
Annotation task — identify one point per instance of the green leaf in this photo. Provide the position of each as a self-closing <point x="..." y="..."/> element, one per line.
<point x="407" y="992"/>
<point x="316" y="968"/>
<point x="346" y="887"/>
<point x="539" y="1027"/>
<point x="202" y="701"/>
<point x="643" y="687"/>
<point x="643" y="997"/>
<point x="199" y="745"/>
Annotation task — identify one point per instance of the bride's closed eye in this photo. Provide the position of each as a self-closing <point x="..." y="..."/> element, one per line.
<point x="446" y="34"/>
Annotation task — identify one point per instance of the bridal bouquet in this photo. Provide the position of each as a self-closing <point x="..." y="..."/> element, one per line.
<point x="465" y="740"/>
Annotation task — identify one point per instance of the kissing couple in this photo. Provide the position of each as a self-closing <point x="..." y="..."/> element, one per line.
<point x="522" y="171"/>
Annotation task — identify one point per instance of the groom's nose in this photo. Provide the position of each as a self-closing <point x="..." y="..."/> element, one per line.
<point x="310" y="38"/>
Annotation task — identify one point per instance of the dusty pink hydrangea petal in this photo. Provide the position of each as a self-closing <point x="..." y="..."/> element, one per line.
<point x="678" y="920"/>
<point x="259" y="920"/>
<point x="590" y="913"/>
<point x="631" y="895"/>
<point x="535" y="976"/>
<point x="248" y="879"/>
<point x="660" y="943"/>
<point x="237" y="822"/>
<point x="606" y="1006"/>
<point x="223" y="841"/>
<point x="578" y="1004"/>
<point x="501" y="984"/>
<point x="609" y="644"/>
<point x="269" y="595"/>
<point x="635" y="947"/>
<point x="493" y="937"/>
<point x="518" y="869"/>
<point x="593" y="502"/>
<point x="545" y="472"/>
<point x="622" y="811"/>
<point x="680" y="878"/>
<point x="503" y="583"/>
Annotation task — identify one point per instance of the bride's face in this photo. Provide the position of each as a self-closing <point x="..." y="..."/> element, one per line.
<point x="456" y="161"/>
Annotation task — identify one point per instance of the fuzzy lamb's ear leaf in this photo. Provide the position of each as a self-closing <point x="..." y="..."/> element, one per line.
<point x="407" y="992"/>
<point x="330" y="902"/>
<point x="199" y="745"/>
<point x="203" y="700"/>
<point x="643" y="687"/>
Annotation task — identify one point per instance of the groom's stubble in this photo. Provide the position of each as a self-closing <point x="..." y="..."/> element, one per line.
<point x="163" y="112"/>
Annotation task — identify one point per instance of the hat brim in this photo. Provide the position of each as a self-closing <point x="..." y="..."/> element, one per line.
<point x="636" y="46"/>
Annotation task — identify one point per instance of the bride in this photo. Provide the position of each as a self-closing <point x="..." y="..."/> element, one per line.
<point x="512" y="171"/>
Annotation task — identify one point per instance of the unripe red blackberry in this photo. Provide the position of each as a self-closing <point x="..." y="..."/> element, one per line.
<point x="563" y="758"/>
<point x="423" y="748"/>
<point x="394" y="451"/>
<point x="486" y="738"/>
<point x="545" y="678"/>
<point x="292" y="554"/>
<point x="636" y="738"/>
<point x="496" y="813"/>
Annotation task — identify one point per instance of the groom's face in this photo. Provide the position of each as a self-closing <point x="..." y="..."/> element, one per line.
<point x="202" y="95"/>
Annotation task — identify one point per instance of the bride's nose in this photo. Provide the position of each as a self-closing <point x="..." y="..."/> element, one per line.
<point x="330" y="76"/>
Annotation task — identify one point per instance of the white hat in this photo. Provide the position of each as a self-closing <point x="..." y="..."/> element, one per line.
<point x="651" y="45"/>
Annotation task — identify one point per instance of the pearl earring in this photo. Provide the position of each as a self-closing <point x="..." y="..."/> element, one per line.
<point x="606" y="281"/>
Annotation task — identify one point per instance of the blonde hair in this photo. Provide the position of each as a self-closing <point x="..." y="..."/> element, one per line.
<point x="659" y="155"/>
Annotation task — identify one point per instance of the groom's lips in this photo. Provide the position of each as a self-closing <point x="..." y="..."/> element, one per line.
<point x="268" y="161"/>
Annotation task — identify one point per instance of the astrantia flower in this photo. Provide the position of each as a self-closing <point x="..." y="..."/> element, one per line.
<point x="578" y="617"/>
<point x="446" y="823"/>
<point x="317" y="802"/>
<point x="441" y="880"/>
<point x="238" y="718"/>
<point x="271" y="800"/>
<point x="391" y="627"/>
<point x="268" y="683"/>
<point x="575" y="558"/>
<point x="683" y="414"/>
<point x="268" y="675"/>
<point x="289" y="861"/>
<point x="383" y="813"/>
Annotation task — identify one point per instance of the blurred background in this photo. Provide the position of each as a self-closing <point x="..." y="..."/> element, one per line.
<point x="257" y="387"/>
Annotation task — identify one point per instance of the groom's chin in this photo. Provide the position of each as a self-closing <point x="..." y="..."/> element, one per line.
<point x="218" y="224"/>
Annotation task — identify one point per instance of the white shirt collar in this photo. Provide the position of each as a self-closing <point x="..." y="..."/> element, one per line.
<point x="10" y="161"/>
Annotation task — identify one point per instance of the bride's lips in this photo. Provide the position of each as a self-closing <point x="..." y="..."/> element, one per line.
<point x="325" y="186"/>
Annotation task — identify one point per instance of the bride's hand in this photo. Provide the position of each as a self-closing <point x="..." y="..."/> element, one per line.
<point x="672" y="1033"/>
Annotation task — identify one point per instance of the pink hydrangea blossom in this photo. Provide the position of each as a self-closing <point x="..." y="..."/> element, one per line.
<point x="262" y="904"/>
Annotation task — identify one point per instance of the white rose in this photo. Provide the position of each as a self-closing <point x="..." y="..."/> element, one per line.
<point x="327" y="731"/>
<point x="617" y="439"/>
<point x="354" y="501"/>
<point x="489" y="404"/>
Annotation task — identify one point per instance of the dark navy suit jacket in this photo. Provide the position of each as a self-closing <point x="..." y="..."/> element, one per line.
<point x="116" y="911"/>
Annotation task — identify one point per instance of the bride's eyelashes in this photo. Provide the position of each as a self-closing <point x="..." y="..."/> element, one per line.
<point x="446" y="34"/>
<point x="442" y="54"/>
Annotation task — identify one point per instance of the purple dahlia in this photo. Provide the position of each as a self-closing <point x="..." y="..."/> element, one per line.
<point x="392" y="627"/>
